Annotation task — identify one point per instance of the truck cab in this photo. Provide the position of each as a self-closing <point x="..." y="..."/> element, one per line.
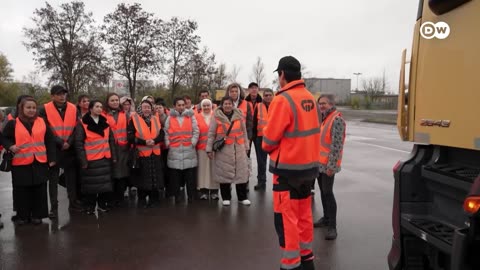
<point x="435" y="216"/>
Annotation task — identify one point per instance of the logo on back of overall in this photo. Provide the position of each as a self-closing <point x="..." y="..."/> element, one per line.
<point x="308" y="105"/>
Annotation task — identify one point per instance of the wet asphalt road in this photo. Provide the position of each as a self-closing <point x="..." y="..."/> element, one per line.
<point x="206" y="235"/>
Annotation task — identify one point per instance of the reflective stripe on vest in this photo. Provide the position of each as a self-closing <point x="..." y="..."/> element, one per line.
<point x="119" y="128"/>
<point x="61" y="128"/>
<point x="261" y="118"/>
<point x="326" y="138"/>
<point x="31" y="146"/>
<point x="180" y="135"/>
<point x="294" y="152"/>
<point x="235" y="135"/>
<point x="146" y="133"/>
<point x="96" y="147"/>
<point x="203" y="127"/>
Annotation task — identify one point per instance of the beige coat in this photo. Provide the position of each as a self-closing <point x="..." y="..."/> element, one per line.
<point x="230" y="165"/>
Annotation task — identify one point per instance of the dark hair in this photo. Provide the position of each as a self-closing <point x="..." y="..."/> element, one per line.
<point x="252" y="84"/>
<point x="148" y="102"/>
<point x="92" y="103"/>
<point x="19" y="100"/>
<point x="81" y="97"/>
<point x="160" y="101"/>
<point x="22" y="104"/>
<point x="107" y="108"/>
<point x="291" y="75"/>
<point x="175" y="100"/>
<point x="203" y="91"/>
<point x="185" y="98"/>
<point x="225" y="99"/>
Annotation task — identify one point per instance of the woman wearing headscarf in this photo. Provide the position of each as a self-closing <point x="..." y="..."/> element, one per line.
<point x="95" y="149"/>
<point x="118" y="121"/>
<point x="33" y="145"/>
<point x="144" y="132"/>
<point x="206" y="185"/>
<point x="230" y="164"/>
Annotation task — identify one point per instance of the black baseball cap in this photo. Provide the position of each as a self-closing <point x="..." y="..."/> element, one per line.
<point x="252" y="84"/>
<point x="288" y="63"/>
<point x="57" y="89"/>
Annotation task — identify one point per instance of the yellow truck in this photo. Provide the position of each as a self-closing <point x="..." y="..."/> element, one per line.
<point x="435" y="217"/>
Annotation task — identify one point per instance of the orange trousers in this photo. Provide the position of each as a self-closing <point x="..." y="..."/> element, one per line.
<point x="292" y="206"/>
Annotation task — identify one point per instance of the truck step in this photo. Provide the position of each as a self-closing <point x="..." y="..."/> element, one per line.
<point x="433" y="231"/>
<point x="455" y="171"/>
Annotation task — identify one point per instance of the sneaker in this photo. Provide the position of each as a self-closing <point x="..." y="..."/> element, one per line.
<point x="214" y="196"/>
<point x="331" y="234"/>
<point x="246" y="202"/>
<point x="125" y="194"/>
<point x="322" y="222"/>
<point x="312" y="191"/>
<point x="204" y="197"/>
<point x="226" y="203"/>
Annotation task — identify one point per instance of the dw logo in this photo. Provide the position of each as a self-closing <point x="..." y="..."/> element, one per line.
<point x="308" y="105"/>
<point x="439" y="30"/>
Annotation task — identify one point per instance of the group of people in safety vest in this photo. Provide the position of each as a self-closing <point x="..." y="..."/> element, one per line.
<point x="102" y="151"/>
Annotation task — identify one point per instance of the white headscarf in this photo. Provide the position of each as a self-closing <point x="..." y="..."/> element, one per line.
<point x="207" y="117"/>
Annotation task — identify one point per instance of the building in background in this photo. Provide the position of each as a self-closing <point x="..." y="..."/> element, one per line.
<point x="121" y="86"/>
<point x="341" y="88"/>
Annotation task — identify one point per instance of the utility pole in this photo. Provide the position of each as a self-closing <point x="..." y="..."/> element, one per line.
<point x="357" y="74"/>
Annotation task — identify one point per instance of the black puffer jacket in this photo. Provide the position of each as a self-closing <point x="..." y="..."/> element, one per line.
<point x="97" y="177"/>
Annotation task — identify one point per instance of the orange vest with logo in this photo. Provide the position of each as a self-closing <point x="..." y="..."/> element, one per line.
<point x="326" y="138"/>
<point x="119" y="128"/>
<point x="61" y="128"/>
<point x="145" y="133"/>
<point x="203" y="127"/>
<point x="292" y="134"/>
<point x="180" y="135"/>
<point x="235" y="135"/>
<point x="32" y="146"/>
<point x="97" y="146"/>
<point x="261" y="118"/>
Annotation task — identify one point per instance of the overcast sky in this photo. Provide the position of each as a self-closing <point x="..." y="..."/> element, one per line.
<point x="331" y="38"/>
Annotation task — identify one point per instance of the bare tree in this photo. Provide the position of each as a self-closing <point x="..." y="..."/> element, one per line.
<point x="134" y="37"/>
<point x="220" y="79"/>
<point x="258" y="72"/>
<point x="66" y="43"/>
<point x="374" y="87"/>
<point x="233" y="75"/>
<point x="180" y="43"/>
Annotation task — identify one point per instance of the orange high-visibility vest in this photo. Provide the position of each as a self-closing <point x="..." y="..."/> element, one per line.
<point x="236" y="134"/>
<point x="243" y="107"/>
<point x="119" y="128"/>
<point x="32" y="146"/>
<point x="61" y="128"/>
<point x="203" y="127"/>
<point x="261" y="118"/>
<point x="180" y="135"/>
<point x="96" y="146"/>
<point x="145" y="133"/>
<point x="292" y="134"/>
<point x="326" y="138"/>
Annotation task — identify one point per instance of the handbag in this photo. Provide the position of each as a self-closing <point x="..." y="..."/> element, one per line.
<point x="220" y="143"/>
<point x="6" y="164"/>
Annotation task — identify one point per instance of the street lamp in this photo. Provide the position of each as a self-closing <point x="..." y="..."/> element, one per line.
<point x="357" y="74"/>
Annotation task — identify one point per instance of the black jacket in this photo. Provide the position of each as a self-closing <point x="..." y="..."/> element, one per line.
<point x="35" y="173"/>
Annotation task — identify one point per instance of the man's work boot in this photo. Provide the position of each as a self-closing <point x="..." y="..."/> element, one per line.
<point x="260" y="187"/>
<point x="322" y="222"/>
<point x="331" y="234"/>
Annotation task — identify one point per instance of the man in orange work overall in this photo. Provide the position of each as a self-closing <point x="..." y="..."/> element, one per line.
<point x="291" y="138"/>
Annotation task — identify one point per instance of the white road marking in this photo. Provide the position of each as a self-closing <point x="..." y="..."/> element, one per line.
<point x="383" y="147"/>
